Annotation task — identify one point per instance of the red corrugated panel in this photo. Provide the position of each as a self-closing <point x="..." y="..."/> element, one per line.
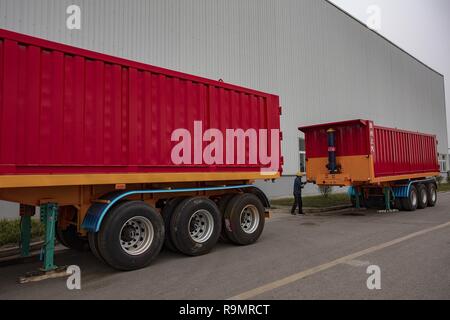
<point x="396" y="152"/>
<point x="355" y="132"/>
<point x="68" y="110"/>
<point x="401" y="152"/>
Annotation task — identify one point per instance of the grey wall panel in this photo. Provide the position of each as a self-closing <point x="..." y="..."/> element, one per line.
<point x="324" y="65"/>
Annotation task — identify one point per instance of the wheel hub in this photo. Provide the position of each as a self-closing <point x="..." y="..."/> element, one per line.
<point x="249" y="219"/>
<point x="128" y="233"/>
<point x="136" y="235"/>
<point x="201" y="226"/>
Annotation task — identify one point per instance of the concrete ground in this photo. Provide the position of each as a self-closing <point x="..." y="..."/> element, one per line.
<point x="312" y="257"/>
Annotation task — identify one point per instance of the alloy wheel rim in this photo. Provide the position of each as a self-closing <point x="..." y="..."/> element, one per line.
<point x="249" y="219"/>
<point x="201" y="226"/>
<point x="136" y="235"/>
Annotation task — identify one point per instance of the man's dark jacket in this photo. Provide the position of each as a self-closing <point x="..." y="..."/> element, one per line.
<point x="298" y="186"/>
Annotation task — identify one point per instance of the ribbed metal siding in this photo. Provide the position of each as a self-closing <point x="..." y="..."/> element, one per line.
<point x="66" y="110"/>
<point x="398" y="153"/>
<point x="351" y="140"/>
<point x="325" y="66"/>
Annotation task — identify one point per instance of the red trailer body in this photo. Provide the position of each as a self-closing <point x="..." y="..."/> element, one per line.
<point x="367" y="153"/>
<point x="72" y="116"/>
<point x="130" y="155"/>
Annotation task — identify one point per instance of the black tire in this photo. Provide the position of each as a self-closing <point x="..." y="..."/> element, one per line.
<point x="93" y="244"/>
<point x="235" y="231"/>
<point x="398" y="204"/>
<point x="58" y="236"/>
<point x="222" y="204"/>
<point x="423" y="196"/>
<point x="195" y="239"/>
<point x="167" y="213"/>
<point x="353" y="200"/>
<point x="432" y="194"/>
<point x="118" y="229"/>
<point x="70" y="237"/>
<point x="411" y="202"/>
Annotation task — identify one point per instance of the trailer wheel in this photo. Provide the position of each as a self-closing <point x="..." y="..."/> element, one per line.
<point x="398" y="204"/>
<point x="411" y="202"/>
<point x="195" y="226"/>
<point x="58" y="236"/>
<point x="432" y="194"/>
<point x="222" y="204"/>
<point x="167" y="213"/>
<point x="93" y="244"/>
<point x="131" y="236"/>
<point x="244" y="219"/>
<point x="69" y="236"/>
<point x="423" y="196"/>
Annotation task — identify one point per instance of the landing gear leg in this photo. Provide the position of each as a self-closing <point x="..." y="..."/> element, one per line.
<point x="49" y="215"/>
<point x="387" y="201"/>
<point x="357" y="199"/>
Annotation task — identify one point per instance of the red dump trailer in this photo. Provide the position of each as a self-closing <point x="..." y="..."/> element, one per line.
<point x="378" y="163"/>
<point x="127" y="156"/>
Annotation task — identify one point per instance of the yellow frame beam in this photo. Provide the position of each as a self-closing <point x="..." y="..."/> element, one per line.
<point x="54" y="180"/>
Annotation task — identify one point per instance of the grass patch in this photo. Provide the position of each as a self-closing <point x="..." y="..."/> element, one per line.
<point x="10" y="231"/>
<point x="317" y="201"/>
<point x="444" y="187"/>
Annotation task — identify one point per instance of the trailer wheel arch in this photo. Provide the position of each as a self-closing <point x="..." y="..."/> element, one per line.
<point x="101" y="208"/>
<point x="410" y="203"/>
<point x="260" y="194"/>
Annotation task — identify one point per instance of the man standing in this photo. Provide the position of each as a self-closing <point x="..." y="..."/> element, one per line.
<point x="298" y="186"/>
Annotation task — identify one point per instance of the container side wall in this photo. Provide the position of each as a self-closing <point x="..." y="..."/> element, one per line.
<point x="400" y="153"/>
<point x="65" y="110"/>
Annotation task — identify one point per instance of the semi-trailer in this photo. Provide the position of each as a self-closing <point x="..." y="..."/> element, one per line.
<point x="382" y="166"/>
<point x="122" y="157"/>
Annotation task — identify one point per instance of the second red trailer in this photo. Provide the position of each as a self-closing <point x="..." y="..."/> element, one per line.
<point x="366" y="153"/>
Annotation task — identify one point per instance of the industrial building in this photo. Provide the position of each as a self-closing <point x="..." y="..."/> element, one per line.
<point x="325" y="65"/>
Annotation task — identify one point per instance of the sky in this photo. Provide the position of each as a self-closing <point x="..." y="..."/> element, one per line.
<point x="421" y="27"/>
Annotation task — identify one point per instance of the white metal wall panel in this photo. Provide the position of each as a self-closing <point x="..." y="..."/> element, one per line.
<point x="324" y="65"/>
